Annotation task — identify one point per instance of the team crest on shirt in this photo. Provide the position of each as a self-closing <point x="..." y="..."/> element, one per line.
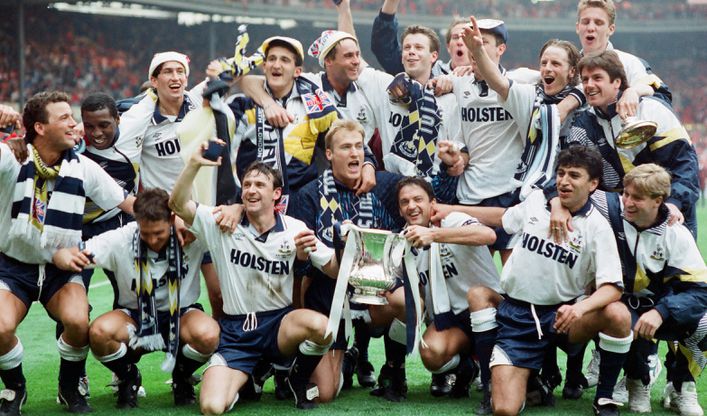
<point x="139" y="140"/>
<point x="361" y="117"/>
<point x="576" y="242"/>
<point x="658" y="254"/>
<point x="285" y="250"/>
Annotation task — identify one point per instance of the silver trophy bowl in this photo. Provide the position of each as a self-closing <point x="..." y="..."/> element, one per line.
<point x="377" y="264"/>
<point x="635" y="132"/>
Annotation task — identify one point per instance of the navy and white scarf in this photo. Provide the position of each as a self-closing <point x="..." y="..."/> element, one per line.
<point x="416" y="141"/>
<point x="49" y="220"/>
<point x="148" y="336"/>
<point x="542" y="145"/>
<point x="361" y="215"/>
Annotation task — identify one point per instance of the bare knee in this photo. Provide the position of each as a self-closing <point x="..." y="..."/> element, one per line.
<point x="481" y="297"/>
<point x="617" y="318"/>
<point x="433" y="355"/>
<point x="317" y="324"/>
<point x="205" y="338"/>
<point x="505" y="409"/>
<point x="209" y="407"/>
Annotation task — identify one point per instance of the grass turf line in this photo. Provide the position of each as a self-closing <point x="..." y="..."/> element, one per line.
<point x="41" y="366"/>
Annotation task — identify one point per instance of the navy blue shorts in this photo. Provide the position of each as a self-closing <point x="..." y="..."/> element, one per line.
<point x="241" y="349"/>
<point x="517" y="340"/>
<point x="503" y="239"/>
<point x="162" y="318"/>
<point x="22" y="279"/>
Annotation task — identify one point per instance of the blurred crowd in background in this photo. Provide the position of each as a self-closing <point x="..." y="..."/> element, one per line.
<point x="93" y="53"/>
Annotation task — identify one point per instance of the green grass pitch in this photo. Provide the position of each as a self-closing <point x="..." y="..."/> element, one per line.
<point x="41" y="369"/>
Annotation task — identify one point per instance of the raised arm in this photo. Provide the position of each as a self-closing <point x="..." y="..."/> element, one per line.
<point x="180" y="201"/>
<point x="384" y="38"/>
<point x="486" y="68"/>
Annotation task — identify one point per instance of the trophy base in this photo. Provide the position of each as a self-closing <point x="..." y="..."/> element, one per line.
<point x="369" y="299"/>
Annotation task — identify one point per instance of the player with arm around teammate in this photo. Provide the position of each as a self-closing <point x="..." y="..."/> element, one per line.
<point x="255" y="268"/>
<point x="451" y="258"/>
<point x="544" y="281"/>
<point x="666" y="286"/>
<point x="157" y="287"/>
<point x="48" y="196"/>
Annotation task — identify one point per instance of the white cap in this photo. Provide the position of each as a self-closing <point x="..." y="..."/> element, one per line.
<point x="297" y="45"/>
<point x="321" y="47"/>
<point x="163" y="57"/>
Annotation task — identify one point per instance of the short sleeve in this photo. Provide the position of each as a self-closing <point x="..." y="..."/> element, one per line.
<point x="106" y="247"/>
<point x="100" y="186"/>
<point x="458" y="219"/>
<point x="514" y="217"/>
<point x="519" y="104"/>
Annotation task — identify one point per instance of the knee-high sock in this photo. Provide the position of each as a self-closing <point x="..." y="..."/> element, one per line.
<point x="484" y="327"/>
<point x="188" y="361"/>
<point x="613" y="352"/>
<point x="395" y="340"/>
<point x="119" y="362"/>
<point x="575" y="362"/>
<point x="308" y="356"/>
<point x="73" y="364"/>
<point x="11" y="367"/>
<point x="362" y="337"/>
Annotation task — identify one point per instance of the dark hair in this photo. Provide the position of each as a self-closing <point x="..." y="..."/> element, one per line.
<point x="608" y="61"/>
<point x="585" y="157"/>
<point x="98" y="101"/>
<point x="266" y="170"/>
<point x="414" y="181"/>
<point x="286" y="45"/>
<point x="573" y="56"/>
<point x="424" y="30"/>
<point x="36" y="110"/>
<point x="152" y="205"/>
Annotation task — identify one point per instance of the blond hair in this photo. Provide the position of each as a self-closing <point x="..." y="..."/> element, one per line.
<point x="606" y="5"/>
<point x="649" y="179"/>
<point x="339" y="125"/>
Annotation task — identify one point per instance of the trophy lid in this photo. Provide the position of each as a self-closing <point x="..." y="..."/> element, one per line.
<point x="636" y="133"/>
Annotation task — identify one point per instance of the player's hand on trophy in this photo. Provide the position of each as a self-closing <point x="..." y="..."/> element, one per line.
<point x="628" y="104"/>
<point x="472" y="36"/>
<point x="228" y="217"/>
<point x="203" y="156"/>
<point x="560" y="222"/>
<point x="647" y="324"/>
<point x="367" y="180"/>
<point x="305" y="242"/>
<point x="72" y="259"/>
<point x="676" y="216"/>
<point x="419" y="236"/>
<point x="566" y="316"/>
